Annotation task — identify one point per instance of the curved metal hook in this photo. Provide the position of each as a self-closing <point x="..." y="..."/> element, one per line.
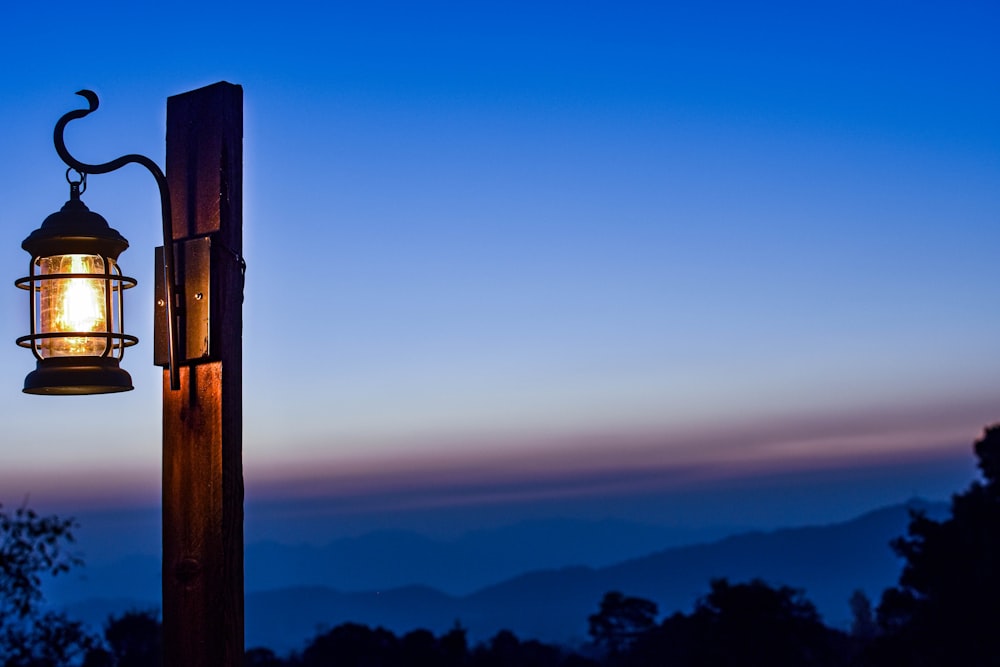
<point x="161" y="181"/>
<point x="105" y="167"/>
<point x="57" y="137"/>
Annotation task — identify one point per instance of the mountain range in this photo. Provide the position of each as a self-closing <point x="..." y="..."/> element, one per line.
<point x="404" y="581"/>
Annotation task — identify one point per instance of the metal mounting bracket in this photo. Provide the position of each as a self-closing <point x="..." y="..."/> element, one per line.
<point x="193" y="262"/>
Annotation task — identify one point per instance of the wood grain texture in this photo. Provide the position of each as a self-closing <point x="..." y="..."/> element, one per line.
<point x="203" y="421"/>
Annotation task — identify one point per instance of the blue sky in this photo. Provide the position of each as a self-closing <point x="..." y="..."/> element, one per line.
<point x="544" y="247"/>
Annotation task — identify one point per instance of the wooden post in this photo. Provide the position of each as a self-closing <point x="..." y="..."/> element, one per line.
<point x="203" y="421"/>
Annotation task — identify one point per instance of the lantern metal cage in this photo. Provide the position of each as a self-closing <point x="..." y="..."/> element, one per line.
<point x="77" y="303"/>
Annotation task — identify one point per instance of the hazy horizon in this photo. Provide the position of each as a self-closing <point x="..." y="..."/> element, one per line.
<point x="697" y="502"/>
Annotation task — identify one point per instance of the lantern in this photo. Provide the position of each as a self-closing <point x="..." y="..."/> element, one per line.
<point x="76" y="302"/>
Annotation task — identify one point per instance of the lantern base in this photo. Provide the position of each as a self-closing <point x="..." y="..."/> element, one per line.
<point x="72" y="376"/>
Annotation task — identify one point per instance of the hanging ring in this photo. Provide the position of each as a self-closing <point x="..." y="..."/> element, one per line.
<point x="82" y="183"/>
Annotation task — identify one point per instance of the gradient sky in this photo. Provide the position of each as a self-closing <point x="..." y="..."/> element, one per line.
<point x="522" y="252"/>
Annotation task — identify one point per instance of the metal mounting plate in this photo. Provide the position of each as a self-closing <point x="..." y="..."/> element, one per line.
<point x="193" y="258"/>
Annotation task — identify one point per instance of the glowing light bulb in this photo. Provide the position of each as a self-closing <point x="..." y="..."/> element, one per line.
<point x="71" y="305"/>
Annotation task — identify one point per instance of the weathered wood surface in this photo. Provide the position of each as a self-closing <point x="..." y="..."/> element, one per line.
<point x="203" y="421"/>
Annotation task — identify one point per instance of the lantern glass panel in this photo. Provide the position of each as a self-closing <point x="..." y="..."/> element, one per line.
<point x="73" y="305"/>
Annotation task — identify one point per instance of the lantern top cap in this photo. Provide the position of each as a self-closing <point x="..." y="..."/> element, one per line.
<point x="75" y="229"/>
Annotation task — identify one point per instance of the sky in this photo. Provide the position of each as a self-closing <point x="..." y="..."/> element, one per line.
<point x="705" y="262"/>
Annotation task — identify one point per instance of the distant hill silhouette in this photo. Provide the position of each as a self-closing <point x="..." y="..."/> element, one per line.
<point x="463" y="565"/>
<point x="371" y="561"/>
<point x="829" y="562"/>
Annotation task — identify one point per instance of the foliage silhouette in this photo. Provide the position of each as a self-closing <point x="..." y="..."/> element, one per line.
<point x="620" y="620"/>
<point x="454" y="646"/>
<point x="743" y="624"/>
<point x="135" y="639"/>
<point x="863" y="625"/>
<point x="262" y="657"/>
<point x="946" y="608"/>
<point x="353" y="644"/>
<point x="31" y="548"/>
<point x="506" y="650"/>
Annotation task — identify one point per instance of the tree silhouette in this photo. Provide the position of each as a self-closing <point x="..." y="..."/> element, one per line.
<point x="743" y="624"/>
<point x="262" y="657"/>
<point x="620" y="620"/>
<point x="355" y="645"/>
<point x="31" y="548"/>
<point x="454" y="647"/>
<point x="863" y="625"/>
<point x="946" y="608"/>
<point x="506" y="650"/>
<point x="352" y="645"/>
<point x="136" y="639"/>
<point x="419" y="648"/>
